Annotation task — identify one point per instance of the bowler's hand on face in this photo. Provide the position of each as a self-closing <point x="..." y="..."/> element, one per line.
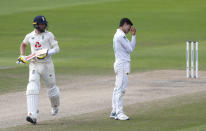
<point x="133" y="30"/>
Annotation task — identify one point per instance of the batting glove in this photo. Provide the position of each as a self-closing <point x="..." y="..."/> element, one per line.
<point x="43" y="56"/>
<point x="22" y="59"/>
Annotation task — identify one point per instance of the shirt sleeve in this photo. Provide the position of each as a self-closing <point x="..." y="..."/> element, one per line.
<point x="129" y="46"/>
<point x="26" y="39"/>
<point x="133" y="41"/>
<point x="54" y="45"/>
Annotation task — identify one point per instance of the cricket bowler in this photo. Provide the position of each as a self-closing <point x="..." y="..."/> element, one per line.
<point x="122" y="50"/>
<point x="40" y="66"/>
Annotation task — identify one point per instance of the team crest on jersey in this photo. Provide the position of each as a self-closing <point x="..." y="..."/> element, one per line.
<point x="37" y="45"/>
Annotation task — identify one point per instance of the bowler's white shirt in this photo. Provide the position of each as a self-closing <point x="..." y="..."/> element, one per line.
<point x="123" y="47"/>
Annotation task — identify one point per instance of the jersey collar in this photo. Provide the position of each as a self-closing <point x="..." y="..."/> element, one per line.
<point x="40" y="33"/>
<point x="121" y="32"/>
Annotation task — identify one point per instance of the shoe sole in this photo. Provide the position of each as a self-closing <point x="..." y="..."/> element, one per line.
<point x="112" y="117"/>
<point x="30" y="120"/>
<point x="120" y="119"/>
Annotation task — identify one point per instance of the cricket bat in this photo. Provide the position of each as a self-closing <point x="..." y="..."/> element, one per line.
<point x="35" y="54"/>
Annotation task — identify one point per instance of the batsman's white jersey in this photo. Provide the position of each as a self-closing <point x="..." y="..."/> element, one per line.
<point x="43" y="68"/>
<point x="122" y="50"/>
<point x="41" y="41"/>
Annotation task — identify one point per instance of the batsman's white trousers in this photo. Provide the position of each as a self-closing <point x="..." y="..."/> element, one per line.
<point x="121" y="70"/>
<point x="47" y="73"/>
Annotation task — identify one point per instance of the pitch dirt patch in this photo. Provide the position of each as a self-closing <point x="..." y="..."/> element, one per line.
<point x="84" y="94"/>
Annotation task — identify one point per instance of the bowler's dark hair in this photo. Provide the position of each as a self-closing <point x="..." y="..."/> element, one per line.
<point x="125" y="20"/>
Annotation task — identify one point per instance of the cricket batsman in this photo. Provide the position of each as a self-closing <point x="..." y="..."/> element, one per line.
<point x="40" y="66"/>
<point x="122" y="50"/>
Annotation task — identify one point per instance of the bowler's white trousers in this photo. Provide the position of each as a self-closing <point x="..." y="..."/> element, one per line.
<point x="121" y="70"/>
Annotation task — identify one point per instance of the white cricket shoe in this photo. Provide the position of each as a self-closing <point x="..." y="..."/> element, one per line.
<point x="54" y="111"/>
<point x="121" y="116"/>
<point x="112" y="115"/>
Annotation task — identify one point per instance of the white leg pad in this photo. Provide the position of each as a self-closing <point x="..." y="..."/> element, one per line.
<point x="54" y="94"/>
<point x="32" y="94"/>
